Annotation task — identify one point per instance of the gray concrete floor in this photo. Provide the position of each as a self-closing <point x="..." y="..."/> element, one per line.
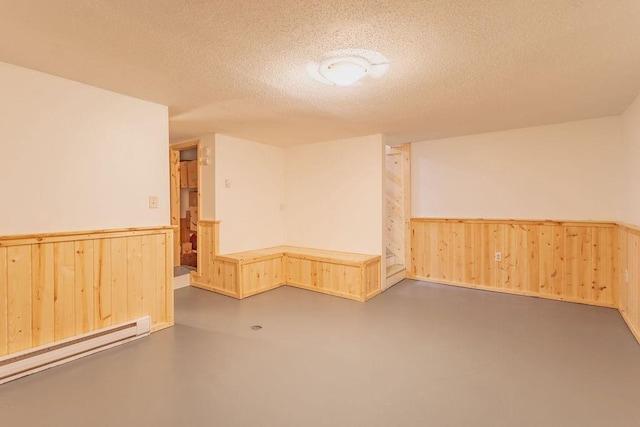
<point x="418" y="355"/>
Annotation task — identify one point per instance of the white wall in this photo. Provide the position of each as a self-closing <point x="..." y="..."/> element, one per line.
<point x="563" y="171"/>
<point x="74" y="157"/>
<point x="207" y="179"/>
<point x="333" y="195"/>
<point x="249" y="210"/>
<point x="631" y="183"/>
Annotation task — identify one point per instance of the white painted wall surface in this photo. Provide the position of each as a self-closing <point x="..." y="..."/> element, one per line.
<point x="207" y="179"/>
<point x="249" y="210"/>
<point x="564" y="171"/>
<point x="631" y="183"/>
<point x="74" y="157"/>
<point x="333" y="195"/>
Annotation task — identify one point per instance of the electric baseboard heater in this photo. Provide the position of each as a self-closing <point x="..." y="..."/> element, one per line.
<point x="36" y="359"/>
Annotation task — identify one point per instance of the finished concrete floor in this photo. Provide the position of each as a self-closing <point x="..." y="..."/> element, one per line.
<point x="418" y="355"/>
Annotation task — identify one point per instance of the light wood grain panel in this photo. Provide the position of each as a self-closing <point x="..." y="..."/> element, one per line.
<point x="261" y="276"/>
<point x="633" y="285"/>
<point x="19" y="306"/>
<point x="119" y="277"/>
<point x="42" y="282"/>
<point x="4" y="301"/>
<point x="165" y="282"/>
<point x="223" y="278"/>
<point x="134" y="278"/>
<point x="56" y="286"/>
<point x="558" y="260"/>
<point x="150" y="263"/>
<point x="102" y="291"/>
<point x="84" y="287"/>
<point x="64" y="290"/>
<point x="371" y="280"/>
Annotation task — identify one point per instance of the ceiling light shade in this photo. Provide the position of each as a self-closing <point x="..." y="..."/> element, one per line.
<point x="344" y="71"/>
<point x="348" y="67"/>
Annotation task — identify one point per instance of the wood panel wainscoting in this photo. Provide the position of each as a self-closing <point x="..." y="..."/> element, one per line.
<point x="629" y="276"/>
<point x="585" y="262"/>
<point x="569" y="261"/>
<point x="58" y="285"/>
<point x="239" y="275"/>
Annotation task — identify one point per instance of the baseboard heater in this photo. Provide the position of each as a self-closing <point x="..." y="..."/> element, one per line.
<point x="36" y="359"/>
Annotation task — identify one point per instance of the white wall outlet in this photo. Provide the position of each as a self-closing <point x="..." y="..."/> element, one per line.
<point x="626" y="275"/>
<point x="153" y="202"/>
<point x="498" y="256"/>
<point x="227" y="183"/>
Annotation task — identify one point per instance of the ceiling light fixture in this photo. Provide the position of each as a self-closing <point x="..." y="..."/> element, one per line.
<point x="344" y="71"/>
<point x="347" y="67"/>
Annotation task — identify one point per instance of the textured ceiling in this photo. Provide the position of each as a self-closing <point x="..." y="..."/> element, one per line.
<point x="238" y="67"/>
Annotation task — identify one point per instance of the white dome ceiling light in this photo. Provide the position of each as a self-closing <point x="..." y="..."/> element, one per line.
<point x="348" y="66"/>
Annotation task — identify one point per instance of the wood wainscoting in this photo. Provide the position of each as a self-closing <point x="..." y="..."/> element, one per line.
<point x="629" y="276"/>
<point x="239" y="275"/>
<point x="55" y="286"/>
<point x="569" y="261"/>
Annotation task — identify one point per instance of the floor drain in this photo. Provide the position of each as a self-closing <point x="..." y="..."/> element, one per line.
<point x="256" y="327"/>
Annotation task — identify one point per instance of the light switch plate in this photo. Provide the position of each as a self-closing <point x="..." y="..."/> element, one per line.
<point x="153" y="202"/>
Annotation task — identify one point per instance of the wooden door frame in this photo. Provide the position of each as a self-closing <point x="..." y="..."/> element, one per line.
<point x="174" y="193"/>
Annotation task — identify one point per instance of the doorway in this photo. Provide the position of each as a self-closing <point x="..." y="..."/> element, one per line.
<point x="397" y="198"/>
<point x="184" y="161"/>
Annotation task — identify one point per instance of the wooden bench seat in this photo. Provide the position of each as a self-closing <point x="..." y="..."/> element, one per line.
<point x="239" y="275"/>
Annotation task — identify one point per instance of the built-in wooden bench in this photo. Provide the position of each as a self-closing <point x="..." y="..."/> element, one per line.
<point x="242" y="274"/>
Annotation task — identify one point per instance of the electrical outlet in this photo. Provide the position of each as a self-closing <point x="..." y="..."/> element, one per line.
<point x="227" y="183"/>
<point x="626" y="276"/>
<point x="498" y="256"/>
<point x="153" y="202"/>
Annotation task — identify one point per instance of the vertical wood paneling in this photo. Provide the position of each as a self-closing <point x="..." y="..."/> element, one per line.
<point x="150" y="276"/>
<point x="573" y="261"/>
<point x="84" y="287"/>
<point x="102" y="290"/>
<point x="533" y="258"/>
<point x="19" y="298"/>
<point x="57" y="286"/>
<point x="545" y="258"/>
<point x="134" y="277"/>
<point x="4" y="300"/>
<point x="204" y="248"/>
<point x="623" y="269"/>
<point x="164" y="287"/>
<point x="633" y="289"/>
<point x="119" y="276"/>
<point x="42" y="275"/>
<point x="557" y="277"/>
<point x="64" y="290"/>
